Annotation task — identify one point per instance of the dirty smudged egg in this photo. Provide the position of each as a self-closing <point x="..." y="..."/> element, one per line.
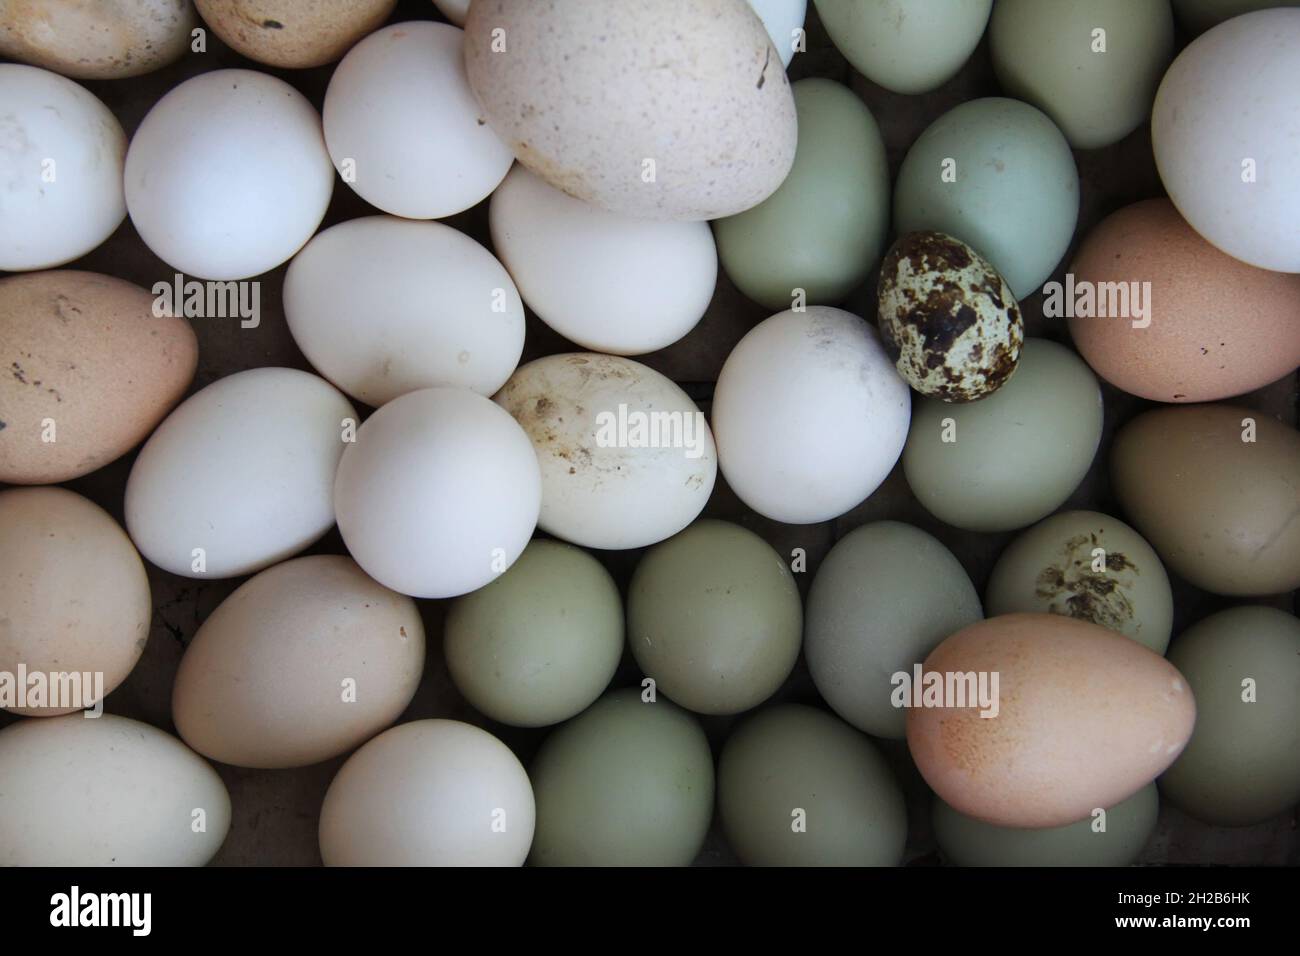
<point x="948" y="320"/>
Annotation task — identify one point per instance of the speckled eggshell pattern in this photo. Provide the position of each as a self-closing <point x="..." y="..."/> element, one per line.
<point x="293" y="33"/>
<point x="85" y="352"/>
<point x="96" y="39"/>
<point x="662" y="109"/>
<point x="947" y="319"/>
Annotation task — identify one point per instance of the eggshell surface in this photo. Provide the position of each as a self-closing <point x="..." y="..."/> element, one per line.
<point x="99" y="39"/>
<point x="293" y="33"/>
<point x="784" y="22"/>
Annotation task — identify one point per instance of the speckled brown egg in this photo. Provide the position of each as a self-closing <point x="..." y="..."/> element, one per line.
<point x="86" y="372"/>
<point x="96" y="39"/>
<point x="294" y="33"/>
<point x="947" y="318"/>
<point x="659" y="109"/>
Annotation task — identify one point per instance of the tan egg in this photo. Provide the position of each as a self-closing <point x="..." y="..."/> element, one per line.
<point x="1079" y="718"/>
<point x="304" y="662"/>
<point x="665" y="110"/>
<point x="86" y="372"/>
<point x="294" y="33"/>
<point x="74" y="599"/>
<point x="1217" y="326"/>
<point x="96" y="39"/>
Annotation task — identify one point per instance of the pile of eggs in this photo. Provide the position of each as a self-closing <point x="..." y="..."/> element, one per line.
<point x="550" y="538"/>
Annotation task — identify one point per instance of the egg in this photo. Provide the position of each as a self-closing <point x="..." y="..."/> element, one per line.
<point x="1230" y="170"/>
<point x="608" y="282"/>
<point x="293" y="33"/>
<point x="438" y="494"/>
<point x="1197" y="16"/>
<point x="1242" y="766"/>
<point x="355" y="650"/>
<point x="106" y="791"/>
<point x="239" y="476"/>
<point x="91" y="372"/>
<point x="1093" y="68"/>
<point x="213" y="159"/>
<point x="61" y="156"/>
<point x="998" y="175"/>
<point x="883" y="597"/>
<point x="947" y="319"/>
<point x="783" y="20"/>
<point x="1013" y="458"/>
<point x="908" y="48"/>
<point x="1114" y="839"/>
<point x="439" y="309"/>
<point x="1213" y="488"/>
<point x="403" y="127"/>
<point x="809" y="415"/>
<point x="1200" y="324"/>
<point x="1048" y="744"/>
<point x="714" y="618"/>
<point x="625" y="783"/>
<point x="454" y="10"/>
<point x="96" y="41"/>
<point x="429" y="793"/>
<point x="1090" y="566"/>
<point x="540" y="643"/>
<point x="823" y="230"/>
<point x="626" y="457"/>
<point x="75" y="599"/>
<point x="613" y="132"/>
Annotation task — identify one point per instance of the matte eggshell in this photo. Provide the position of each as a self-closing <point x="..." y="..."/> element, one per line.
<point x="96" y="39"/>
<point x="454" y="10"/>
<point x="87" y="354"/>
<point x="613" y="126"/>
<point x="106" y="791"/>
<point x="625" y="783"/>
<point x="1218" y="327"/>
<point x="74" y="596"/>
<point x="302" y="663"/>
<point x="293" y="33"/>
<point x="714" y="617"/>
<point x="429" y="793"/>
<point x="793" y="765"/>
<point x="784" y="22"/>
<point x="1085" y="718"/>
<point x="1220" y="510"/>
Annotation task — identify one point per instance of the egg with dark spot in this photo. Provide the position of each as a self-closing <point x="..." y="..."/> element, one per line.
<point x="947" y="318"/>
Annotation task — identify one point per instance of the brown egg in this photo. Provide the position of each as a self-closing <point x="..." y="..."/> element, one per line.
<point x="294" y="33"/>
<point x="74" y="596"/>
<point x="86" y="372"/>
<point x="1216" y="490"/>
<point x="1218" y="327"/>
<point x="1080" y="718"/>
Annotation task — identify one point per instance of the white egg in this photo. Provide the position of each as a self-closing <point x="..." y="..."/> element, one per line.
<point x="404" y="128"/>
<point x="106" y="791"/>
<point x="454" y="10"/>
<point x="382" y="306"/>
<point x="227" y="175"/>
<point x="1226" y="133"/>
<point x="604" y="280"/>
<point x="61" y="155"/>
<point x="784" y="22"/>
<point x="240" y="475"/>
<point x="809" y="415"/>
<point x="627" y="458"/>
<point x="439" y="493"/>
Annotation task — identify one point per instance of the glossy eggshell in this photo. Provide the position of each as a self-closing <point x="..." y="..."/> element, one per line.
<point x="302" y="663"/>
<point x="1218" y="509"/>
<point x="625" y="783"/>
<point x="99" y="39"/>
<point x="1085" y="718"/>
<point x="74" y="593"/>
<point x="87" y="354"/>
<point x="293" y="33"/>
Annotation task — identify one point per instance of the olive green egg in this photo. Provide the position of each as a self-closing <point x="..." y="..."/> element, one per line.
<point x="997" y="174"/>
<point x="1242" y="765"/>
<point x="1013" y="458"/>
<point x="714" y="617"/>
<point x="541" y="642"/>
<point x="1092" y="67"/>
<point x="1087" y="565"/>
<point x="823" y="230"/>
<point x="884" y="597"/>
<point x="1113" y="839"/>
<point x="625" y="783"/>
<point x="799" y="787"/>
